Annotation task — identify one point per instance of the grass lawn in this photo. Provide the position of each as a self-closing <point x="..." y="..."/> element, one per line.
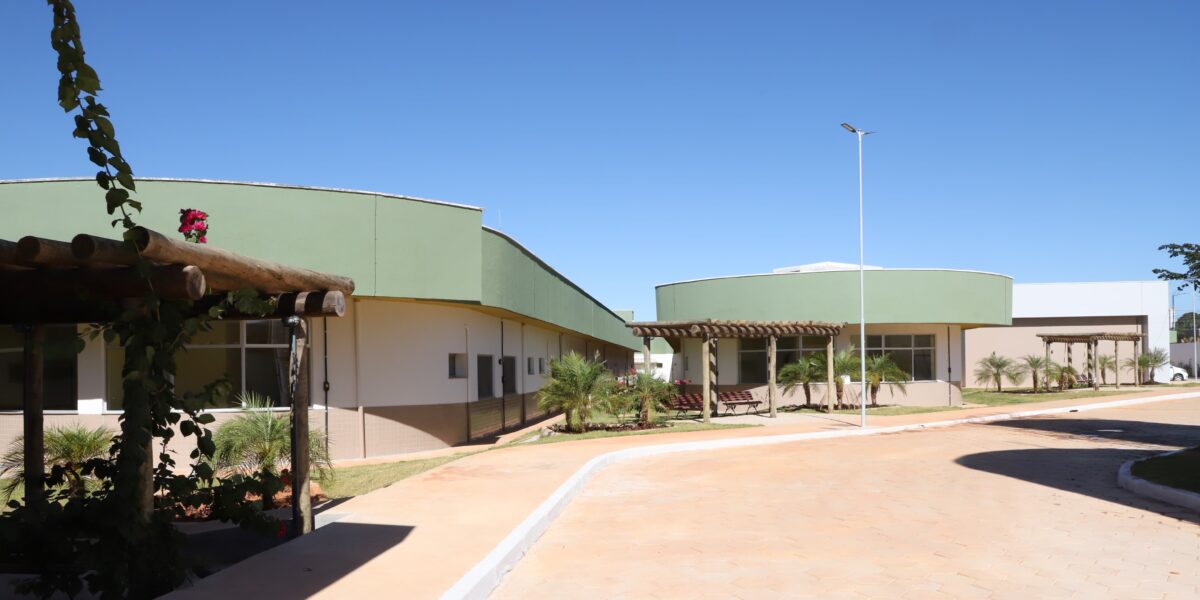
<point x="1022" y="396"/>
<point x="1180" y="470"/>
<point x="677" y="428"/>
<point x="360" y="479"/>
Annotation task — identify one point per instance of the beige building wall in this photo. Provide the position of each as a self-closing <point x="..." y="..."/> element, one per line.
<point x="1021" y="339"/>
<point x="386" y="363"/>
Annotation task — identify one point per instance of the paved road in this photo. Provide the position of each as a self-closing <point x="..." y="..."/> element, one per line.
<point x="1019" y="509"/>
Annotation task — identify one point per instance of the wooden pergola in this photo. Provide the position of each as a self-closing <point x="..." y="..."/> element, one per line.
<point x="94" y="280"/>
<point x="1092" y="341"/>
<point x="709" y="331"/>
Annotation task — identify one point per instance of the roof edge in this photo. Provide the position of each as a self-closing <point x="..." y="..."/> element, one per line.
<point x="552" y="270"/>
<point x="798" y="273"/>
<point x="288" y="186"/>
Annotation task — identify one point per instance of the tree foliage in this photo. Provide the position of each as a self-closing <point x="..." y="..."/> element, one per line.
<point x="576" y="386"/>
<point x="802" y="373"/>
<point x="1035" y="365"/>
<point x="882" y="369"/>
<point x="994" y="369"/>
<point x="1190" y="253"/>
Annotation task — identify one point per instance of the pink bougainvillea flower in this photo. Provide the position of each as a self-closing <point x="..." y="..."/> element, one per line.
<point x="193" y="224"/>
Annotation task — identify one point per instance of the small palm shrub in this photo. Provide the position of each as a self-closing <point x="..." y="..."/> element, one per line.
<point x="1106" y="363"/>
<point x="1066" y="376"/>
<point x="647" y="395"/>
<point x="803" y="373"/>
<point x="576" y="386"/>
<point x="258" y="443"/>
<point x="994" y="369"/>
<point x="882" y="369"/>
<point x="68" y="446"/>
<point x="846" y="363"/>
<point x="1035" y="365"/>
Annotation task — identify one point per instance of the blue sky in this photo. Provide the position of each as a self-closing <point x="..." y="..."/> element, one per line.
<point x="637" y="143"/>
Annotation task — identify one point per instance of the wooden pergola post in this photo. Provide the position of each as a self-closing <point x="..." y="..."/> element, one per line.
<point x="830" y="386"/>
<point x="1117" y="370"/>
<point x="1095" y="352"/>
<point x="706" y="359"/>
<point x="772" y="391"/>
<point x="32" y="403"/>
<point x="302" y="516"/>
<point x="646" y="355"/>
<point x="1046" y="373"/>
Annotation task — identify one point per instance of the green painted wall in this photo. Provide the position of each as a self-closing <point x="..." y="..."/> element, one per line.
<point x="392" y="246"/>
<point x="893" y="296"/>
<point x="515" y="280"/>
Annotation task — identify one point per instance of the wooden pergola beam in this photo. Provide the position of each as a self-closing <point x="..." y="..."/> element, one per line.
<point x="733" y="329"/>
<point x="221" y="266"/>
<point x="74" y="309"/>
<point x="173" y="282"/>
<point x="36" y="251"/>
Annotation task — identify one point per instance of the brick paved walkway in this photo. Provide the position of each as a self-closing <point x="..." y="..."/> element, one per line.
<point x="1017" y="509"/>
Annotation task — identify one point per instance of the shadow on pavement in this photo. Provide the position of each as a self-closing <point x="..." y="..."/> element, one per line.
<point x="1142" y="432"/>
<point x="1088" y="471"/>
<point x="303" y="566"/>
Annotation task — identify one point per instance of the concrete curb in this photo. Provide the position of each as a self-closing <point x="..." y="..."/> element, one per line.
<point x="485" y="576"/>
<point x="1157" y="491"/>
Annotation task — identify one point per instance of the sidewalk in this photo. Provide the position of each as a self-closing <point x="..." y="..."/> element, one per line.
<point x="417" y="537"/>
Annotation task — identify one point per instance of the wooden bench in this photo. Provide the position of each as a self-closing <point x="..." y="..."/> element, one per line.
<point x="732" y="400"/>
<point x="683" y="403"/>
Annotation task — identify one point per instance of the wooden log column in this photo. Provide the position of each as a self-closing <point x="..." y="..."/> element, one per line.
<point x="1046" y="375"/>
<point x="1117" y="370"/>
<point x="302" y="515"/>
<point x="1095" y="365"/>
<point x="646" y="355"/>
<point x="706" y="359"/>
<point x="830" y="388"/>
<point x="32" y="403"/>
<point x="772" y="390"/>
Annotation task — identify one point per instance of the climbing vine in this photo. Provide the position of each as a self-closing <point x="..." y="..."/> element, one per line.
<point x="120" y="540"/>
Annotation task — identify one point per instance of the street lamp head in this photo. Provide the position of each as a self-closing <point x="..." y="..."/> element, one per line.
<point x="849" y="127"/>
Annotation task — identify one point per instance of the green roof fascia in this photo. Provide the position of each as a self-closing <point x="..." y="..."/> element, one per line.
<point x="892" y="296"/>
<point x="516" y="280"/>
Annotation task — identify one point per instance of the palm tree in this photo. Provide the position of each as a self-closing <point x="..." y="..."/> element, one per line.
<point x="994" y="369"/>
<point x="575" y="386"/>
<point x="648" y="395"/>
<point x="1146" y="361"/>
<point x="259" y="442"/>
<point x="846" y="363"/>
<point x="1034" y="364"/>
<point x="68" y="446"/>
<point x="1106" y="363"/>
<point x="880" y="369"/>
<point x="1065" y="375"/>
<point x="809" y="369"/>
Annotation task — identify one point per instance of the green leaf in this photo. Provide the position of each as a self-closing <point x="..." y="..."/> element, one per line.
<point x="126" y="180"/>
<point x="102" y="179"/>
<point x="115" y="198"/>
<point x="205" y="418"/>
<point x="97" y="157"/>
<point x="104" y="125"/>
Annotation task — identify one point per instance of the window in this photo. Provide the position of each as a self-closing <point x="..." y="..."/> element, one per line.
<point x="253" y="355"/>
<point x="458" y="366"/>
<point x="58" y="368"/>
<point x="752" y="360"/>
<point x="541" y="366"/>
<point x="752" y="355"/>
<point x="508" y="374"/>
<point x="483" y="370"/>
<point x="912" y="353"/>
<point x="529" y="366"/>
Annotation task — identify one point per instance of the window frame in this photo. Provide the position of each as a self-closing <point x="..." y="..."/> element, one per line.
<point x="911" y="348"/>
<point x="241" y="346"/>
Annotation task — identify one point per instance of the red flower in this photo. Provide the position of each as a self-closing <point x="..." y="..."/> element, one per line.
<point x="282" y="530"/>
<point x="193" y="225"/>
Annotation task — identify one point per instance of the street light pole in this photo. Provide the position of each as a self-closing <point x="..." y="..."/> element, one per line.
<point x="862" y="296"/>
